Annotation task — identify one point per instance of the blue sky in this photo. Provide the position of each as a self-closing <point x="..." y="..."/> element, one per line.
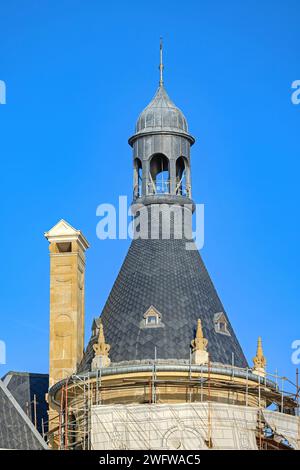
<point x="77" y="74"/>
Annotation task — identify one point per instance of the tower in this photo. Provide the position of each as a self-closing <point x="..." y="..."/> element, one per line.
<point x="67" y="269"/>
<point x="161" y="152"/>
<point x="163" y="288"/>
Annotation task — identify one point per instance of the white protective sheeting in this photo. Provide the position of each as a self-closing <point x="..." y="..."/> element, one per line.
<point x="178" y="426"/>
<point x="285" y="425"/>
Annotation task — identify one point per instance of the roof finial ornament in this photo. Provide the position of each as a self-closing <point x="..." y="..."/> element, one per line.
<point x="259" y="360"/>
<point x="161" y="65"/>
<point x="199" y="345"/>
<point x="101" y="349"/>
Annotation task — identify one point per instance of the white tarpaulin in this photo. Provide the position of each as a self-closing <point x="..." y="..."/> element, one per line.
<point x="178" y="426"/>
<point x="285" y="425"/>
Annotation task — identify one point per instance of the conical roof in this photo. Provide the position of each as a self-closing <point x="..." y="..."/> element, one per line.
<point x="162" y="288"/>
<point x="161" y="275"/>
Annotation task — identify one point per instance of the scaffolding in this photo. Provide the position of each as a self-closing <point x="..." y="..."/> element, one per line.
<point x="79" y="394"/>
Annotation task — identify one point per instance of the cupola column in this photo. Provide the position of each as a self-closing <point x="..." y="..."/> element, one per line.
<point x="172" y="176"/>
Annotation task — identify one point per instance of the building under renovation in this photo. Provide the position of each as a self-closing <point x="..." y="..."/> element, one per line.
<point x="163" y="368"/>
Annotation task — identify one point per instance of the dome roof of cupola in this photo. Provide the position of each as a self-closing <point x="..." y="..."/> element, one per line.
<point x="161" y="114"/>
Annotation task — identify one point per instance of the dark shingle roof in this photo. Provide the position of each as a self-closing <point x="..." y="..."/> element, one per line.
<point x="16" y="429"/>
<point x="24" y="386"/>
<point x="175" y="281"/>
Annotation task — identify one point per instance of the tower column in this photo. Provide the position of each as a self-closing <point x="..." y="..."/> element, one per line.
<point x="146" y="169"/>
<point x="172" y="176"/>
<point x="67" y="272"/>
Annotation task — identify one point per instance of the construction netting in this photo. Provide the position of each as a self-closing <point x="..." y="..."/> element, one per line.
<point x="178" y="426"/>
<point x="284" y="425"/>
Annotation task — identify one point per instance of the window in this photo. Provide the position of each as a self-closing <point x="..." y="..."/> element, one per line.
<point x="159" y="177"/>
<point x="65" y="247"/>
<point x="151" y="318"/>
<point x="95" y="326"/>
<point x="220" y="322"/>
<point x="183" y="187"/>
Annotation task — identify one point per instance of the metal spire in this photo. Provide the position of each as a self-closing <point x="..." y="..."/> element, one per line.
<point x="161" y="65"/>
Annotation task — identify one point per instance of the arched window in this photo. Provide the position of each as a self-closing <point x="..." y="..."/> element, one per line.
<point x="182" y="177"/>
<point x="137" y="178"/>
<point x="159" y="176"/>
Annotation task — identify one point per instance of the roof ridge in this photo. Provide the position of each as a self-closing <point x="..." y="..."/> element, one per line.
<point x="23" y="374"/>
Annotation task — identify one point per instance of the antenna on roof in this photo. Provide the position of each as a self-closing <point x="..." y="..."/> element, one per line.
<point x="161" y="65"/>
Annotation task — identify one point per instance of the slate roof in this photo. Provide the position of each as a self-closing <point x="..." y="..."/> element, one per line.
<point x="16" y="429"/>
<point x="23" y="386"/>
<point x="175" y="281"/>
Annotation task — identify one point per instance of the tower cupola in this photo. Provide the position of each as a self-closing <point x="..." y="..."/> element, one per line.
<point x="161" y="149"/>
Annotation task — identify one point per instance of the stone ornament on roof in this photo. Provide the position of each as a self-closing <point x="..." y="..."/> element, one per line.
<point x="259" y="360"/>
<point x="101" y="349"/>
<point x="199" y="345"/>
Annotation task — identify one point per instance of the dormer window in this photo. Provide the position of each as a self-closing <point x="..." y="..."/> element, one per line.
<point x="220" y="322"/>
<point x="152" y="318"/>
<point x="95" y="327"/>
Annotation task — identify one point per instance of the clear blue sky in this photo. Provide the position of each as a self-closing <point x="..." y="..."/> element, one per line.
<point x="78" y="73"/>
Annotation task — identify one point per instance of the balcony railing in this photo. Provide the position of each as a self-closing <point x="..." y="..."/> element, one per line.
<point x="161" y="187"/>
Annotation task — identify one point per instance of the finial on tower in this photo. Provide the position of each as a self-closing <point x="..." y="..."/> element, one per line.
<point x="161" y="65"/>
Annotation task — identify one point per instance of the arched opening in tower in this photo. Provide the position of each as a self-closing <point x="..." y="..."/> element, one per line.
<point x="137" y="178"/>
<point x="159" y="175"/>
<point x="183" y="187"/>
